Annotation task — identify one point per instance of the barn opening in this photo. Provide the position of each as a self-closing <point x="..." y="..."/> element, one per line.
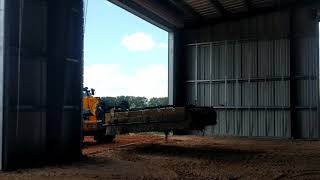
<point x="266" y="81"/>
<point x="125" y="61"/>
<point x="125" y="66"/>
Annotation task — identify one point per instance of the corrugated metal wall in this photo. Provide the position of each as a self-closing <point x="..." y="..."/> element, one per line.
<point x="65" y="70"/>
<point x="243" y="69"/>
<point x="247" y="81"/>
<point x="42" y="86"/>
<point x="24" y="83"/>
<point x="305" y="42"/>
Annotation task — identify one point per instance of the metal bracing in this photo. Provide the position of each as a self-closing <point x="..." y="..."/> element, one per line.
<point x="256" y="79"/>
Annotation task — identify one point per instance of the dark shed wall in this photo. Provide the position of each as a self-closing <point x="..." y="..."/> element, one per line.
<point x="42" y="86"/>
<point x="65" y="70"/>
<point x="24" y="84"/>
<point x="305" y="58"/>
<point x="249" y="71"/>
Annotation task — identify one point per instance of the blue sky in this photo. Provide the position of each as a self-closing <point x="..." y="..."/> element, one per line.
<point x="123" y="54"/>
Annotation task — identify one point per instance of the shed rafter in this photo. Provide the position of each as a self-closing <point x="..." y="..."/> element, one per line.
<point x="220" y="8"/>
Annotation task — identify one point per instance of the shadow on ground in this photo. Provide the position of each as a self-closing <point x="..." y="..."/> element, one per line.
<point x="198" y="152"/>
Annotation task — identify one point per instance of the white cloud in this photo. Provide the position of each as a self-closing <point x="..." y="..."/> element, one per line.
<point x="163" y="45"/>
<point x="138" y="41"/>
<point x="113" y="80"/>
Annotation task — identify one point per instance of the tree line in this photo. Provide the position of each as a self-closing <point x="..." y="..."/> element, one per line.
<point x="130" y="102"/>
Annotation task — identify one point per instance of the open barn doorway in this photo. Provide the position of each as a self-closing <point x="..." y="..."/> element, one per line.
<point x="124" y="55"/>
<point x="125" y="65"/>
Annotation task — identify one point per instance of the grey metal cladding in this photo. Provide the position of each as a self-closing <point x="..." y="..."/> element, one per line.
<point x="233" y="84"/>
<point x="215" y="95"/>
<point x="282" y="124"/>
<point x="204" y="94"/>
<point x="25" y="83"/>
<point x="203" y="62"/>
<point x="190" y="88"/>
<point x="231" y="123"/>
<point x="30" y="85"/>
<point x="251" y="80"/>
<point x="265" y="58"/>
<point x="282" y="57"/>
<point x="70" y="82"/>
<point x="266" y="94"/>
<point x="191" y="60"/>
<point x="237" y="122"/>
<point x="263" y="122"/>
<point x="249" y="59"/>
<point x="217" y="66"/>
<point x="309" y="124"/>
<point x="270" y="123"/>
<point x="230" y="58"/>
<point x="230" y="93"/>
<point x="307" y="67"/>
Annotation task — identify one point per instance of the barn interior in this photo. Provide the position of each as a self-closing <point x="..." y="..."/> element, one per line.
<point x="256" y="62"/>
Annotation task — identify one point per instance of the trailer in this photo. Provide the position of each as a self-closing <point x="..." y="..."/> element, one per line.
<point x="105" y="125"/>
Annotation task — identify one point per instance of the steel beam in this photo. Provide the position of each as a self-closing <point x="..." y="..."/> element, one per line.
<point x="220" y="8"/>
<point x="186" y="8"/>
<point x="152" y="12"/>
<point x="257" y="12"/>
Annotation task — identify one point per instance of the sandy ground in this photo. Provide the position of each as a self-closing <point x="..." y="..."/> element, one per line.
<point x="187" y="157"/>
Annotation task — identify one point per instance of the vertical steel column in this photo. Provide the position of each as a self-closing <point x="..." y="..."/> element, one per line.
<point x="176" y="67"/>
<point x="226" y="87"/>
<point x="257" y="73"/>
<point x="318" y="48"/>
<point x="171" y="67"/>
<point x="210" y="63"/>
<point x="318" y="34"/>
<point x="65" y="44"/>
<point x="309" y="92"/>
<point x="196" y="76"/>
<point x="2" y="50"/>
<point x="293" y="85"/>
<point x="225" y="73"/>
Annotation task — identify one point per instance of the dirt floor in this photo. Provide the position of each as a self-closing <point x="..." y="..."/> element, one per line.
<point x="187" y="157"/>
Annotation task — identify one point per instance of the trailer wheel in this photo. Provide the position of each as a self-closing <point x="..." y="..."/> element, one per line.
<point x="108" y="138"/>
<point x="104" y="138"/>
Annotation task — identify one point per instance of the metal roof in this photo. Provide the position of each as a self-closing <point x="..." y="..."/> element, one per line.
<point x="182" y="13"/>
